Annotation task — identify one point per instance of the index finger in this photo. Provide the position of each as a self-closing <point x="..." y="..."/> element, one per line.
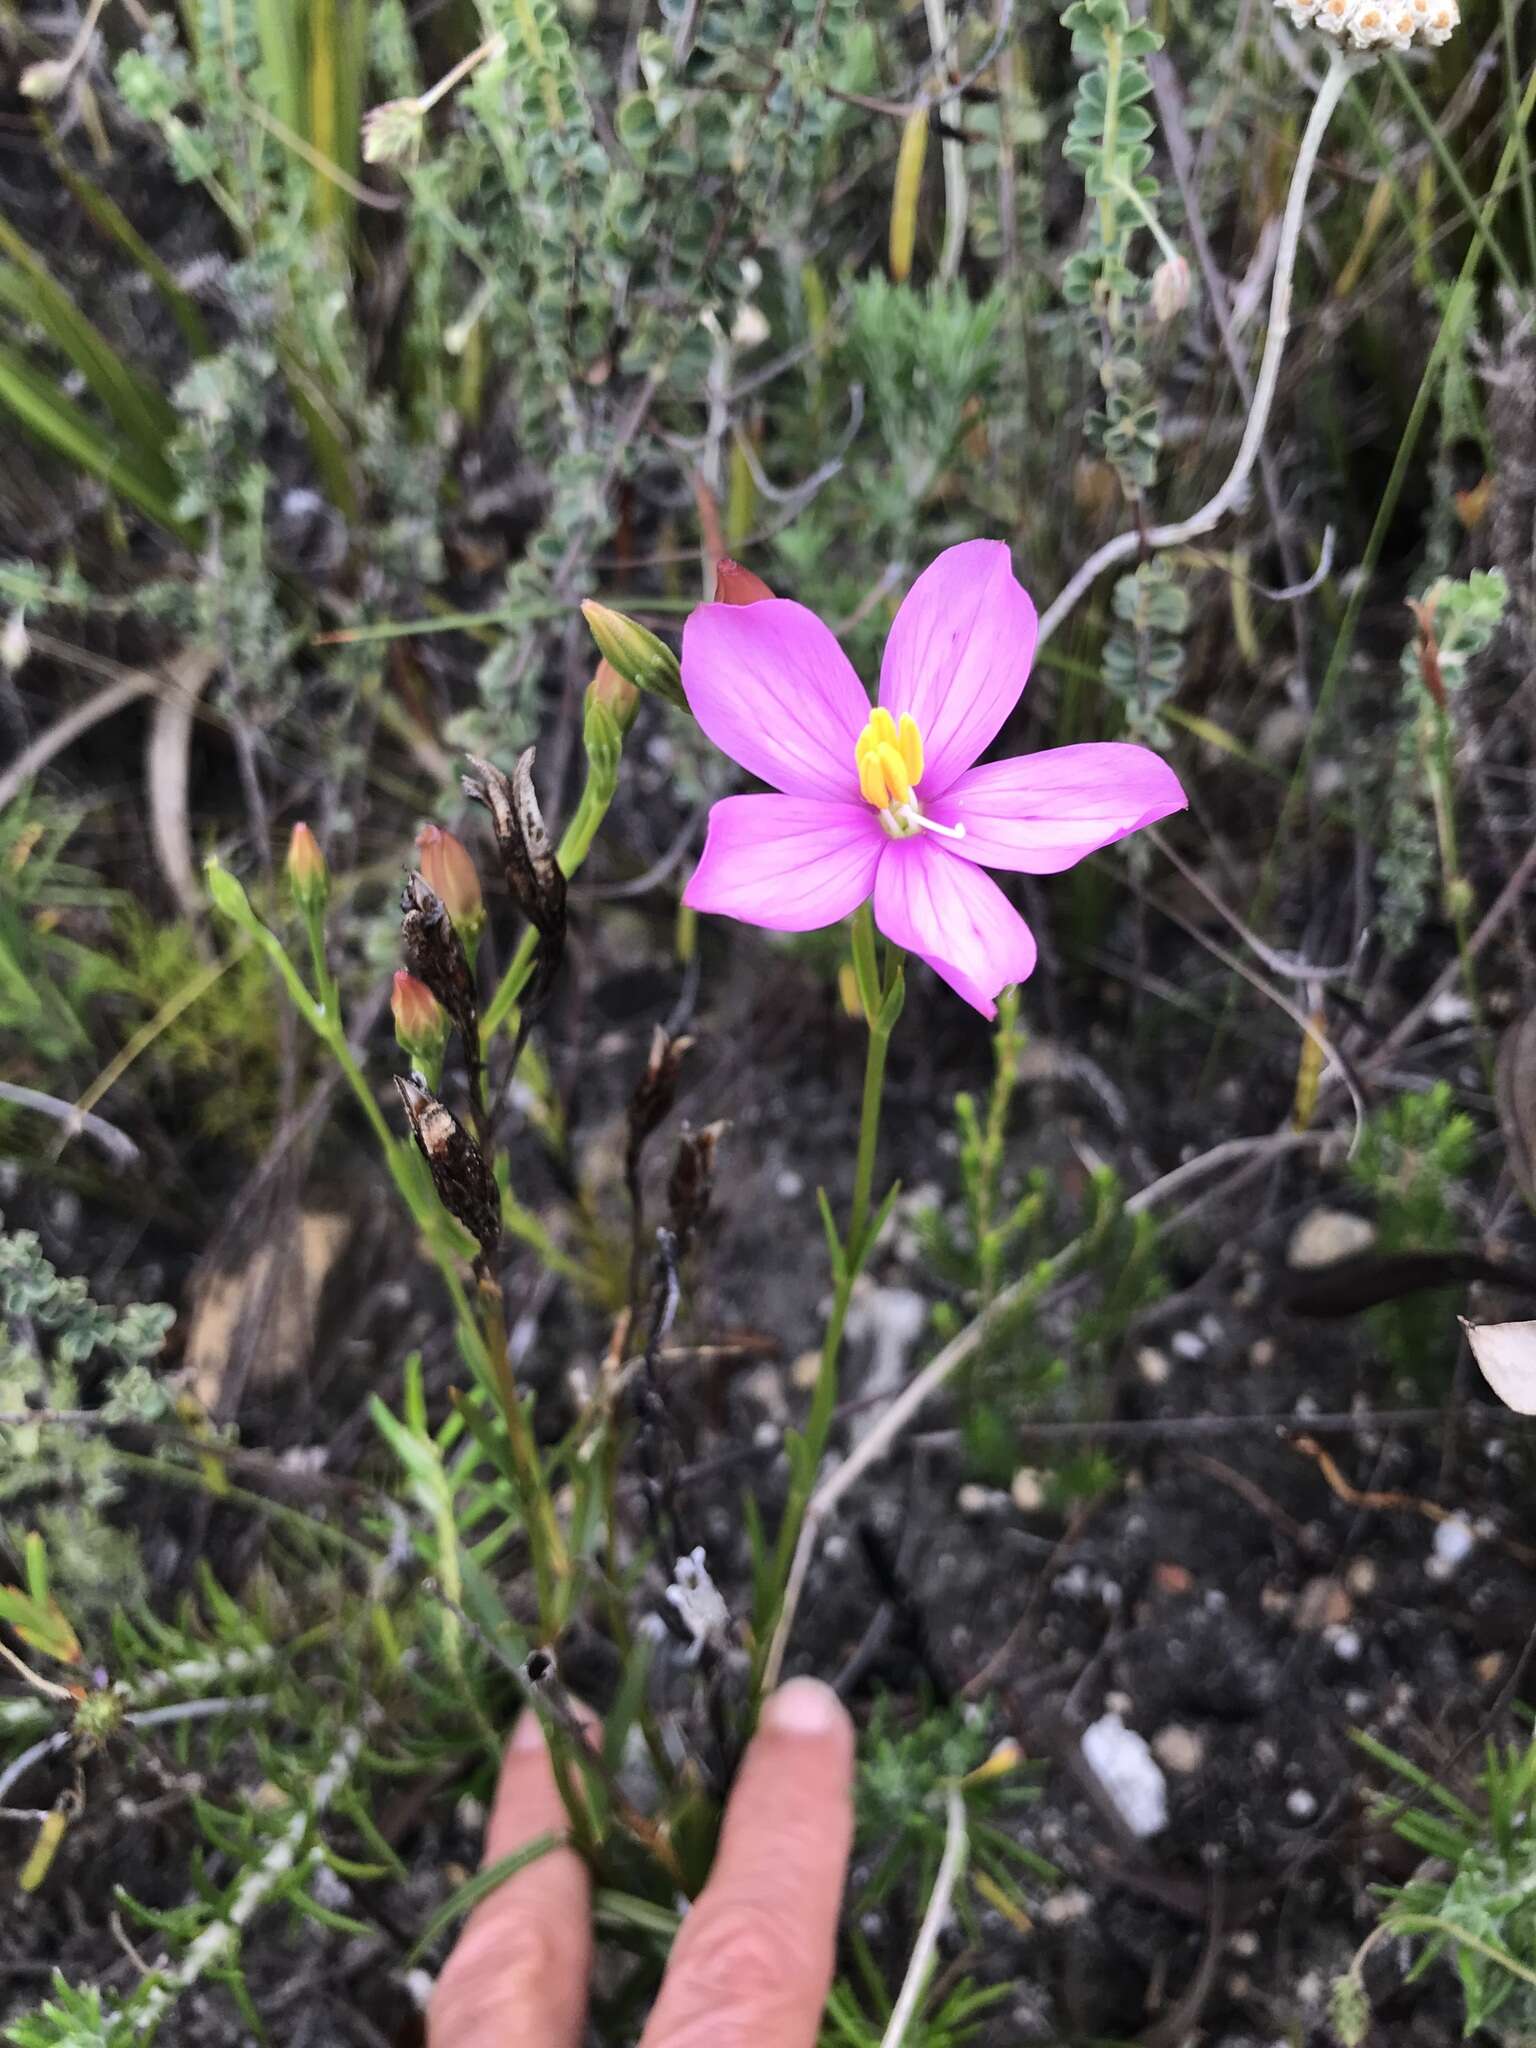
<point x="753" y="1962"/>
<point x="518" y="1971"/>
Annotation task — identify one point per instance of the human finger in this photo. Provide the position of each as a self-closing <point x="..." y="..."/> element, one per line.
<point x="753" y="1962"/>
<point x="519" y="1969"/>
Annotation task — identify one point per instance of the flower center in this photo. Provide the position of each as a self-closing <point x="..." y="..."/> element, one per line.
<point x="889" y="758"/>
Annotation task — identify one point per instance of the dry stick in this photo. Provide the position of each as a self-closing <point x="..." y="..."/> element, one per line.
<point x="1168" y="98"/>
<point x="951" y="1863"/>
<point x="34" y="758"/>
<point x="1329" y="93"/>
<point x="882" y="1434"/>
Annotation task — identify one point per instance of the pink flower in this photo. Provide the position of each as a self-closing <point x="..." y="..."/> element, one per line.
<point x="888" y="803"/>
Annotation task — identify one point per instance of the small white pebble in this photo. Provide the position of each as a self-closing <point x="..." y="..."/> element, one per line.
<point x="1300" y="1804"/>
<point x="789" y="1185"/>
<point x="1062" y="1908"/>
<point x="1028" y="1490"/>
<point x="1454" y="1542"/>
<point x="1357" y="1703"/>
<point x="1188" y="1344"/>
<point x="1129" y="1773"/>
<point x="1177" y="1749"/>
<point x="1153" y="1366"/>
<point x="1346" y="1644"/>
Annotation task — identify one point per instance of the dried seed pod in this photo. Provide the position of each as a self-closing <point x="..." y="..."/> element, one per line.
<point x="656" y="1090"/>
<point x="464" y="1183"/>
<point x="693" y="1181"/>
<point x="528" y="861"/>
<point x="533" y="874"/>
<point x="435" y="954"/>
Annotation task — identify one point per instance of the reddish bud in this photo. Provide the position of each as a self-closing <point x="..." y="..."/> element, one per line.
<point x="421" y="1023"/>
<point x="735" y="585"/>
<point x="448" y="869"/>
<point x="308" y="876"/>
<point x="619" y="698"/>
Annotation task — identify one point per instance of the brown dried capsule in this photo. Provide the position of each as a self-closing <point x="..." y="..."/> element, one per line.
<point x="528" y="861"/>
<point x="435" y="954"/>
<point x="693" y="1181"/>
<point x="656" y="1090"/>
<point x="464" y="1183"/>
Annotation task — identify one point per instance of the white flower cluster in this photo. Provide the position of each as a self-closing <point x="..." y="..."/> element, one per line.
<point x="1378" y="24"/>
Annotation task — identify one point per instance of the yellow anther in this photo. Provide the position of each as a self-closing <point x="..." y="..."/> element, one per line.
<point x="889" y="759"/>
<point x="894" y="769"/>
<point x="910" y="740"/>
<point x="871" y="781"/>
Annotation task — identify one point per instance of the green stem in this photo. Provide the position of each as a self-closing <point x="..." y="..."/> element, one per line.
<point x="854" y="1247"/>
<point x="849" y="1262"/>
<point x="551" y="1565"/>
<point x="1446" y="159"/>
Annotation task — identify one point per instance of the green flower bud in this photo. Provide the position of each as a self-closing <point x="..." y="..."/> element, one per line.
<point x="636" y="653"/>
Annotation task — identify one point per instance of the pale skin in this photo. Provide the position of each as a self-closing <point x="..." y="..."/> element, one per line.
<point x="752" y="1964"/>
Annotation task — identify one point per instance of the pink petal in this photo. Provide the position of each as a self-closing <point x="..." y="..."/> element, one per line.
<point x="772" y="688"/>
<point x="958" y="656"/>
<point x="788" y="863"/>
<point x="1039" y="813"/>
<point x="954" y="917"/>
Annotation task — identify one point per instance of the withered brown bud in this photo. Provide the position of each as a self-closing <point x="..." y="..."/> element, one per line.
<point x="693" y="1181"/>
<point x="656" y="1090"/>
<point x="528" y="861"/>
<point x="464" y="1183"/>
<point x="435" y="954"/>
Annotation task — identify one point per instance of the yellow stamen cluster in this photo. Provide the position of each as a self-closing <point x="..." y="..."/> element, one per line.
<point x="889" y="758"/>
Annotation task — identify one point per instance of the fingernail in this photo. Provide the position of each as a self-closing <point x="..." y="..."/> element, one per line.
<point x="528" y="1735"/>
<point x="804" y="1707"/>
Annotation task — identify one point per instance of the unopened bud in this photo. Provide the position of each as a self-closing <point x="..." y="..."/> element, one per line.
<point x="446" y="864"/>
<point x="620" y="699"/>
<point x="421" y="1024"/>
<point x="636" y="653"/>
<point x="1170" y="289"/>
<point x="735" y="585"/>
<point x="308" y="876"/>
